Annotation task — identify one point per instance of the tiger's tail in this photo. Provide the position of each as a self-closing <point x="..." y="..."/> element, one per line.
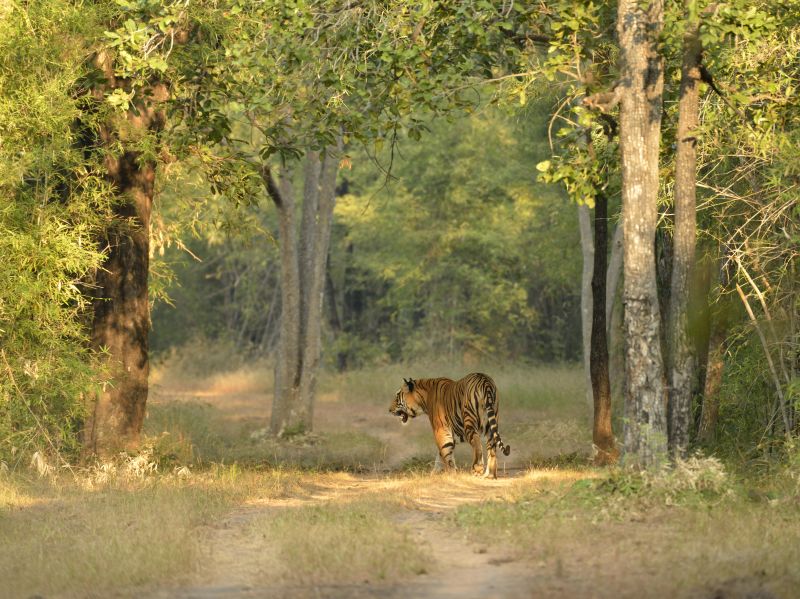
<point x="492" y="422"/>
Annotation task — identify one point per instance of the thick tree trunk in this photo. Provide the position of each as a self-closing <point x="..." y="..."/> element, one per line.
<point x="680" y="357"/>
<point x="587" y="250"/>
<point x="121" y="323"/>
<point x="121" y="310"/>
<point x="700" y="321"/>
<point x="303" y="268"/>
<point x="602" y="435"/>
<point x="641" y="84"/>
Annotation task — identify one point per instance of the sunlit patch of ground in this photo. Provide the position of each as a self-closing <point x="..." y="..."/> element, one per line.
<point x="353" y="510"/>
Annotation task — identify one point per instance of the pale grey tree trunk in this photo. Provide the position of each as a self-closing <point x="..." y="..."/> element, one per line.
<point x="639" y="27"/>
<point x="680" y="357"/>
<point x="285" y="404"/>
<point x="587" y="250"/>
<point x="303" y="256"/>
<point x="315" y="252"/>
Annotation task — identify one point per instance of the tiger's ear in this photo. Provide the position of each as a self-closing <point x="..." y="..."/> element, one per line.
<point x="409" y="383"/>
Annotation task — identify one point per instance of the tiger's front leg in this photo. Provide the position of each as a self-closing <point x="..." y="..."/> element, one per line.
<point x="446" y="445"/>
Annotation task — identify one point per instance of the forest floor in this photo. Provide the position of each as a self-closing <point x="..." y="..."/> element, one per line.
<point x="353" y="511"/>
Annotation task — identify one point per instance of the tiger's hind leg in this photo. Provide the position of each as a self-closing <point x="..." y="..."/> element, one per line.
<point x="491" y="456"/>
<point x="438" y="466"/>
<point x="474" y="438"/>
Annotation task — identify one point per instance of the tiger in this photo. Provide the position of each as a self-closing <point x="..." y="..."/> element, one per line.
<point x="455" y="409"/>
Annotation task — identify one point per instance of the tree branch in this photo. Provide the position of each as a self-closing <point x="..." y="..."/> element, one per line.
<point x="271" y="186"/>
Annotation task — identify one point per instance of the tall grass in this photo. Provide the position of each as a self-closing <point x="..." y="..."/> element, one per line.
<point x="197" y="433"/>
<point x="78" y="536"/>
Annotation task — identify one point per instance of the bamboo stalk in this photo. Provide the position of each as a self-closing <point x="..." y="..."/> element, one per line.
<point x="765" y="346"/>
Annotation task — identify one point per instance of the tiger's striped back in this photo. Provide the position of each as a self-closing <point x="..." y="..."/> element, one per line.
<point x="457" y="410"/>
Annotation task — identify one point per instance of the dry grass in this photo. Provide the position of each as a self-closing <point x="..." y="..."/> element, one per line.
<point x="222" y="416"/>
<point x="201" y="434"/>
<point x="346" y="542"/>
<point x="92" y="534"/>
<point x="333" y="508"/>
<point x="615" y="537"/>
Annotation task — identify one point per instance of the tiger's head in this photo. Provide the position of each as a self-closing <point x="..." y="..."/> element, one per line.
<point x="406" y="403"/>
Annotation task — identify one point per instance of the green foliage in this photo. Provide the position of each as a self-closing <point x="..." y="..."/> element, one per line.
<point x="751" y="208"/>
<point x="458" y="251"/>
<point x="465" y="213"/>
<point x="51" y="211"/>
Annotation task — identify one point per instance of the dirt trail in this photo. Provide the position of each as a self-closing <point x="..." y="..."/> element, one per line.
<point x="234" y="557"/>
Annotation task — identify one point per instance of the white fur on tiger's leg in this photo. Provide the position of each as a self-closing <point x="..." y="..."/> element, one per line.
<point x="437" y="464"/>
<point x="491" y="463"/>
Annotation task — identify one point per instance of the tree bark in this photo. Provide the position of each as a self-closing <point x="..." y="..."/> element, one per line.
<point x="286" y="414"/>
<point x="602" y="434"/>
<point x="700" y="321"/>
<point x="614" y="273"/>
<point x="639" y="27"/>
<point x="314" y="277"/>
<point x="587" y="250"/>
<point x="121" y="322"/>
<point x="680" y="357"/>
<point x="121" y="309"/>
<point x="303" y="257"/>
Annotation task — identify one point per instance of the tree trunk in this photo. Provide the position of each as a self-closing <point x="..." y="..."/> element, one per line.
<point x="602" y="435"/>
<point x="700" y="321"/>
<point x="121" y="309"/>
<point x="641" y="85"/>
<point x="286" y="409"/>
<point x="316" y="249"/>
<point x="303" y="268"/>
<point x="680" y="358"/>
<point x="121" y="323"/>
<point x="614" y="274"/>
<point x="587" y="250"/>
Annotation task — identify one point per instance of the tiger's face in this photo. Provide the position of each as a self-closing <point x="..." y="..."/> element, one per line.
<point x="405" y="404"/>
